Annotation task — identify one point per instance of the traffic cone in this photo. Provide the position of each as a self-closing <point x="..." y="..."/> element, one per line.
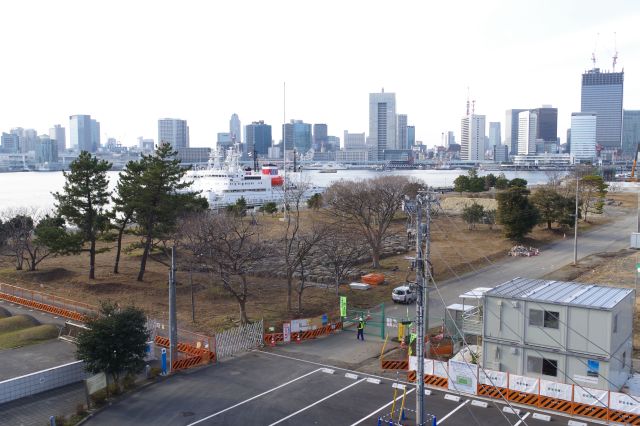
<point x="273" y="341"/>
<point x="298" y="338"/>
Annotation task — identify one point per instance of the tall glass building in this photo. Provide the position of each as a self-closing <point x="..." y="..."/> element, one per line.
<point x="602" y="94"/>
<point x="297" y="134"/>
<point x="174" y="132"/>
<point x="258" y="137"/>
<point x="583" y="136"/>
<point x="630" y="132"/>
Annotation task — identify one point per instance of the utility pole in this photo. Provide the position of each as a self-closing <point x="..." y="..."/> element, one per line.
<point x="575" y="224"/>
<point x="173" y="321"/>
<point x="423" y="277"/>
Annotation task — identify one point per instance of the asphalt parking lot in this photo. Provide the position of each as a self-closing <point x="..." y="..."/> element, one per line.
<point x="260" y="388"/>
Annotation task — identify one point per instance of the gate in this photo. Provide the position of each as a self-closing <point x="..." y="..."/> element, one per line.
<point x="375" y="322"/>
<point x="239" y="339"/>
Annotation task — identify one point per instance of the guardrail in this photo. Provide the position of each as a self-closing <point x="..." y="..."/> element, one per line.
<point x="569" y="399"/>
<point x="47" y="299"/>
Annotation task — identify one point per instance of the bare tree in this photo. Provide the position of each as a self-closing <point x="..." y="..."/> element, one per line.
<point x="305" y="248"/>
<point x="342" y="253"/>
<point x="370" y="205"/>
<point x="229" y="247"/>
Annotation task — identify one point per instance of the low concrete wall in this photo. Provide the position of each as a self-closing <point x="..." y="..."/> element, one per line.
<point x="40" y="381"/>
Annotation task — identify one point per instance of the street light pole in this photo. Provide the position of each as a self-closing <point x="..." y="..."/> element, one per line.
<point x="419" y="315"/>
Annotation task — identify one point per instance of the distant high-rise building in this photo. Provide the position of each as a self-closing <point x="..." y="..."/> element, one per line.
<point x="10" y="143"/>
<point x="224" y="141"/>
<point x="80" y="133"/>
<point x="258" y="136"/>
<point x="354" y="140"/>
<point x="527" y="131"/>
<point x="568" y="151"/>
<point x="500" y="153"/>
<point x="46" y="150"/>
<point x="174" y="132"/>
<point x="602" y="94"/>
<point x="235" y="128"/>
<point x="320" y="135"/>
<point x="511" y="130"/>
<point x="495" y="138"/>
<point x="146" y="145"/>
<point x="547" y="128"/>
<point x="472" y="134"/>
<point x="382" y="123"/>
<point x="450" y="139"/>
<point x="28" y="139"/>
<point x="584" y="136"/>
<point x="297" y="134"/>
<point x="57" y="133"/>
<point x="333" y="143"/>
<point x="630" y="132"/>
<point x="95" y="135"/>
<point x="402" y="137"/>
<point x="411" y="136"/>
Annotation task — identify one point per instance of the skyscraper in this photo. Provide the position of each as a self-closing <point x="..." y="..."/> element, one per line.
<point x="511" y="130"/>
<point x="46" y="150"/>
<point x="95" y="135"/>
<point x="235" y="128"/>
<point x="10" y="143"/>
<point x="80" y="133"/>
<point x="57" y="133"/>
<point x="411" y="136"/>
<point x="527" y="131"/>
<point x="583" y="136"/>
<point x="495" y="137"/>
<point x="258" y="136"/>
<point x="547" y="128"/>
<point x="320" y="135"/>
<point x="174" y="132"/>
<point x="297" y="134"/>
<point x="602" y="94"/>
<point x="382" y="123"/>
<point x="472" y="135"/>
<point x="354" y="140"/>
<point x="402" y="137"/>
<point x="630" y="132"/>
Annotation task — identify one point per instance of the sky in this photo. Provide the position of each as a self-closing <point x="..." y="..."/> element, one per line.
<point x="129" y="63"/>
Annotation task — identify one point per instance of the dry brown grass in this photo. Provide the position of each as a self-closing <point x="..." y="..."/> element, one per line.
<point x="455" y="249"/>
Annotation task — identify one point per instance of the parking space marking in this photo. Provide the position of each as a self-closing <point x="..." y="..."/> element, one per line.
<point x="522" y="419"/>
<point x="381" y="408"/>
<point x="452" y="412"/>
<point x="317" y="402"/>
<point x="254" y="397"/>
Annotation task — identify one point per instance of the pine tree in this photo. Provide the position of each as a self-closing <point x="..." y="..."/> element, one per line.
<point x="124" y="200"/>
<point x="162" y="196"/>
<point x="516" y="213"/>
<point x="83" y="200"/>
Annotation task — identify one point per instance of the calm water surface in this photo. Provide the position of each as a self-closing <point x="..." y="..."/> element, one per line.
<point x="33" y="189"/>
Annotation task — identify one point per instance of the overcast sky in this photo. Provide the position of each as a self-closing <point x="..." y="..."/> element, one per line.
<point x="128" y="63"/>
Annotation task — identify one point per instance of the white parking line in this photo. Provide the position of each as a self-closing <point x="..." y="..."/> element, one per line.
<point x="452" y="411"/>
<point x="317" y="402"/>
<point x="254" y="397"/>
<point x="522" y="419"/>
<point x="381" y="408"/>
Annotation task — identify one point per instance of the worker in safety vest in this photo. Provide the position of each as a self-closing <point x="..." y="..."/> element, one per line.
<point x="360" y="329"/>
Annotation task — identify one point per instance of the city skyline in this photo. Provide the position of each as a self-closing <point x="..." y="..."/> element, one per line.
<point x="130" y="89"/>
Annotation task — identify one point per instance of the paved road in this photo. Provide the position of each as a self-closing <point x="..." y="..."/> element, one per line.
<point x="610" y="237"/>
<point x="261" y="388"/>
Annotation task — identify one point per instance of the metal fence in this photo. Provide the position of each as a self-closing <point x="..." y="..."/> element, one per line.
<point x="239" y="339"/>
<point x="40" y="381"/>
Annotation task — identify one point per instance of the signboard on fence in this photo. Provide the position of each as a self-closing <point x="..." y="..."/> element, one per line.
<point x="299" y="325"/>
<point x="523" y="384"/>
<point x="590" y="396"/>
<point x="493" y="378"/>
<point x="428" y="365"/>
<point x="440" y="369"/>
<point x="286" y="332"/>
<point x="463" y="377"/>
<point x="343" y="306"/>
<point x="96" y="382"/>
<point x="624" y="402"/>
<point x="556" y="390"/>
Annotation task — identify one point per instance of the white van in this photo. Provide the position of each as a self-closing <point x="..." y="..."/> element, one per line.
<point x="403" y="294"/>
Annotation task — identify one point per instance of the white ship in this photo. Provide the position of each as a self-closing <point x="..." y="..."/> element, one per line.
<point x="223" y="184"/>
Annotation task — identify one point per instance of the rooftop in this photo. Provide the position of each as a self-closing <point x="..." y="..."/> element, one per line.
<point x="562" y="293"/>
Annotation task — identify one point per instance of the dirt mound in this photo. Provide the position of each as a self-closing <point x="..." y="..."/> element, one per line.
<point x="17" y="322"/>
<point x="46" y="275"/>
<point x="28" y="336"/>
<point x="4" y="313"/>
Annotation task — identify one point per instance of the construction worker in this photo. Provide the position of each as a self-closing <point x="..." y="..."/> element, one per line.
<point x="360" y="329"/>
